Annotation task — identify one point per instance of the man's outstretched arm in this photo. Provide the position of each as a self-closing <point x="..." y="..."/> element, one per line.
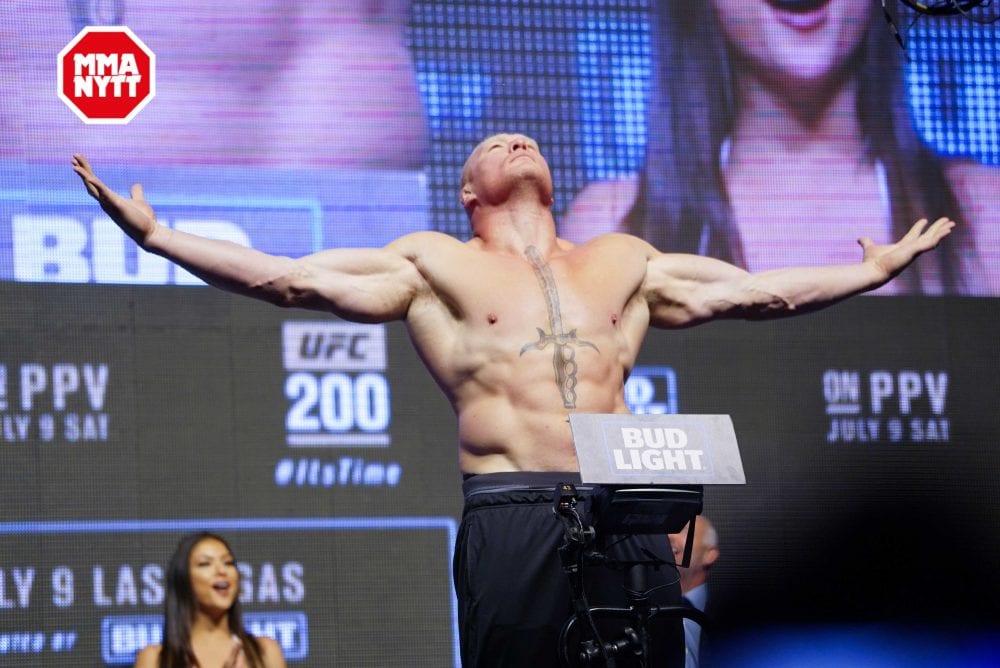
<point x="372" y="285"/>
<point x="684" y="290"/>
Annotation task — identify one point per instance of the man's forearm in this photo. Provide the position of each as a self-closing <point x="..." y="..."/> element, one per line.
<point x="811" y="288"/>
<point x="225" y="264"/>
<point x="794" y="290"/>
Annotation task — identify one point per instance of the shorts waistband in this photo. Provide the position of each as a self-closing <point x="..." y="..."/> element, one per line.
<point x="517" y="487"/>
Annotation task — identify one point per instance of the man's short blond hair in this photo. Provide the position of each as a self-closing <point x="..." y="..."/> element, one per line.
<point x="468" y="161"/>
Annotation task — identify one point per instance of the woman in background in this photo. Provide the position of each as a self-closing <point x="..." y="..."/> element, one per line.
<point x="774" y="123"/>
<point x="202" y="621"/>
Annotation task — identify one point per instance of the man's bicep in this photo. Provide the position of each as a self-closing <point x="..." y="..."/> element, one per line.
<point x="684" y="290"/>
<point x="367" y="284"/>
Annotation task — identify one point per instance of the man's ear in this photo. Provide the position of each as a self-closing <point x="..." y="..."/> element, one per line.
<point x="711" y="554"/>
<point x="467" y="196"/>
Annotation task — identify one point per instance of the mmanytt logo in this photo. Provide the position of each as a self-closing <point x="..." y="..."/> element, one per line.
<point x="106" y="75"/>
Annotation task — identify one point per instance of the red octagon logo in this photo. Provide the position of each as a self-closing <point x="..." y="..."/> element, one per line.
<point x="106" y="74"/>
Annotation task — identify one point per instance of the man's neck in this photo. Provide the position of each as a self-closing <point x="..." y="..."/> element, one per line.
<point x="515" y="226"/>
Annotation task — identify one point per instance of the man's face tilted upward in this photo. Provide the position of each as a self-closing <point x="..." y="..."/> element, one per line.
<point x="501" y="165"/>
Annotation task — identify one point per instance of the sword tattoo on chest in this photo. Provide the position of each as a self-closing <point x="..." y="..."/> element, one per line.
<point x="563" y="343"/>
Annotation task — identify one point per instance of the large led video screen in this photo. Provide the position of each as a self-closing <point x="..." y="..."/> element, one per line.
<point x="138" y="404"/>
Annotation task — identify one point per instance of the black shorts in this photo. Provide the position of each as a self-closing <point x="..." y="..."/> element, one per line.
<point x="513" y="594"/>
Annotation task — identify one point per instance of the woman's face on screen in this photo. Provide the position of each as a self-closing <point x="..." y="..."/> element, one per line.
<point x="796" y="41"/>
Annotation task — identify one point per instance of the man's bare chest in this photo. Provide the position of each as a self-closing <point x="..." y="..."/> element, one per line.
<point x="546" y="296"/>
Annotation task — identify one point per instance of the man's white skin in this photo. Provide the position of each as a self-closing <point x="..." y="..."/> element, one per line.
<point x="704" y="553"/>
<point x="518" y="327"/>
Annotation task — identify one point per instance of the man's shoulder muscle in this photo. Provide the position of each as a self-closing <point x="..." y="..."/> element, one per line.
<point x="615" y="246"/>
<point x="419" y="243"/>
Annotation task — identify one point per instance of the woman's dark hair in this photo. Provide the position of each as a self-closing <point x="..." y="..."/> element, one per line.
<point x="179" y="608"/>
<point x="682" y="204"/>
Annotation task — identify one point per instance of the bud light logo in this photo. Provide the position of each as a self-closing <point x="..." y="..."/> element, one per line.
<point x="654" y="449"/>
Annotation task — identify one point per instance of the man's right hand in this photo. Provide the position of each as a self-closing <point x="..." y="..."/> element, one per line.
<point x="135" y="216"/>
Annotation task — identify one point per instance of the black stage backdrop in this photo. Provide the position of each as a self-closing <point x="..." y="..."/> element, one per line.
<point x="134" y="414"/>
